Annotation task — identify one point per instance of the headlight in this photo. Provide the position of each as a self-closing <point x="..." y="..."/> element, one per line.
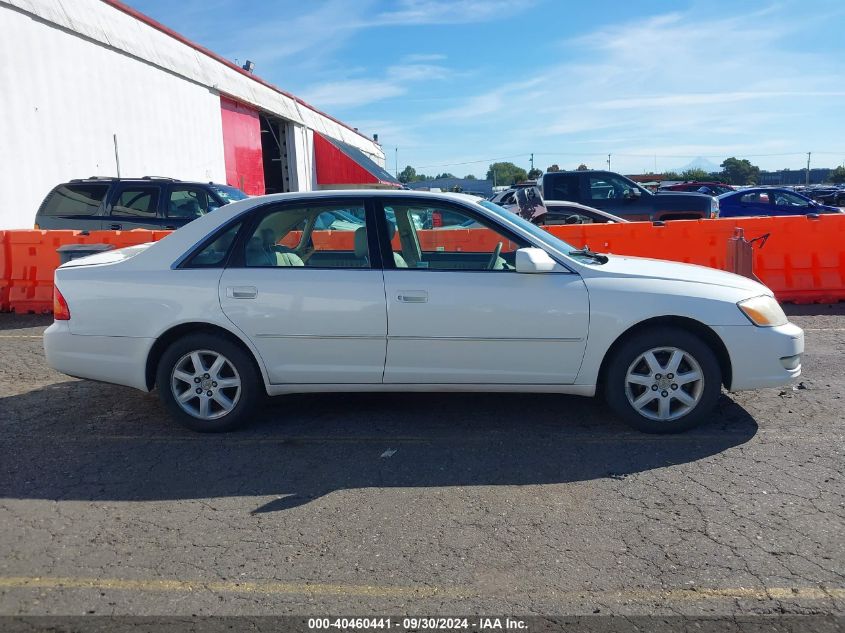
<point x="763" y="311"/>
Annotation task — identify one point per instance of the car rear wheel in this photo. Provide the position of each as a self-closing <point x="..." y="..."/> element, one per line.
<point x="663" y="381"/>
<point x="208" y="383"/>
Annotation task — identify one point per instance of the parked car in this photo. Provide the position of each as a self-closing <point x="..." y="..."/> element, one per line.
<point x="621" y="196"/>
<point x="832" y="196"/>
<point x="709" y="188"/>
<point x="769" y="201"/>
<point x="252" y="299"/>
<point x="93" y="204"/>
<point x="558" y="212"/>
<point x="529" y="204"/>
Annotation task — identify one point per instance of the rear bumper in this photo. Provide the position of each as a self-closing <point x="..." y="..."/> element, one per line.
<point x="756" y="354"/>
<point x="116" y="359"/>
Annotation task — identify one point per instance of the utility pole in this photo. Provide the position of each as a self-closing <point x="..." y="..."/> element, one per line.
<point x="532" y="161"/>
<point x="396" y="150"/>
<point x="808" y="169"/>
<point x="608" y="162"/>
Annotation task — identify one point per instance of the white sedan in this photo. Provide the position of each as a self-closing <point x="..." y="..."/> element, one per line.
<point x="266" y="296"/>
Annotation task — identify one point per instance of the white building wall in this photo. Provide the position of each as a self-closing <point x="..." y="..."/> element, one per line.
<point x="117" y="29"/>
<point x="62" y="98"/>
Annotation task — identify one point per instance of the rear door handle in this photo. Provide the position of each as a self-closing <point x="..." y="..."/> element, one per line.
<point x="241" y="292"/>
<point x="115" y="227"/>
<point x="412" y="296"/>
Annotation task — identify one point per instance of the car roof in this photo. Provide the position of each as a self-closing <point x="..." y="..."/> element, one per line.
<point x="142" y="179"/>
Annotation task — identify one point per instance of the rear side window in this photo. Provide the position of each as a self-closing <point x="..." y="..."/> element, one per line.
<point x="137" y="202"/>
<point x="213" y="255"/>
<point x="74" y="200"/>
<point x="563" y="187"/>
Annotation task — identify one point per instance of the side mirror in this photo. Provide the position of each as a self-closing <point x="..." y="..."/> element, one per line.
<point x="533" y="260"/>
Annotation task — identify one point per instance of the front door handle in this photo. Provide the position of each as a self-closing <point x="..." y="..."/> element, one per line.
<point x="241" y="292"/>
<point x="170" y="227"/>
<point x="115" y="227"/>
<point x="412" y="296"/>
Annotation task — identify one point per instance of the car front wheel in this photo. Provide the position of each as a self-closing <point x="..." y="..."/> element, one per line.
<point x="663" y="381"/>
<point x="208" y="383"/>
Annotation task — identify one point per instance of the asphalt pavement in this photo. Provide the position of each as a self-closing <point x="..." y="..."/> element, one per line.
<point x="419" y="504"/>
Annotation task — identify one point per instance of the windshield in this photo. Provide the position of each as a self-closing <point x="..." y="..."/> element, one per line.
<point x="541" y="235"/>
<point x="229" y="194"/>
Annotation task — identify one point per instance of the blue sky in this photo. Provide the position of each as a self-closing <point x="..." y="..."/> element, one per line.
<point x="456" y="83"/>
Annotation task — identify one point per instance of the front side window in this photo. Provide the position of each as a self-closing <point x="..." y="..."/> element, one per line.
<point x="434" y="237"/>
<point x="756" y="197"/>
<point x="786" y="199"/>
<point x="137" y="202"/>
<point x="310" y="237"/>
<point x="82" y="199"/>
<point x="188" y="203"/>
<point x="608" y="186"/>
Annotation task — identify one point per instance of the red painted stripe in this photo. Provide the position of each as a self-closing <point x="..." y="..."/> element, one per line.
<point x="117" y="4"/>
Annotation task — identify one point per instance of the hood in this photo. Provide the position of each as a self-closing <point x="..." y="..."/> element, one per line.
<point x="108" y="257"/>
<point x="644" y="268"/>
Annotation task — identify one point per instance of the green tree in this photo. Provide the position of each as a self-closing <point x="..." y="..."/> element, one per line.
<point x="740" y="172"/>
<point x="696" y="173"/>
<point x="582" y="167"/>
<point x="506" y="173"/>
<point x="409" y="174"/>
<point x="554" y="167"/>
<point x="470" y="177"/>
<point x="670" y="175"/>
<point x="445" y="174"/>
<point x="837" y="176"/>
<point x="534" y="174"/>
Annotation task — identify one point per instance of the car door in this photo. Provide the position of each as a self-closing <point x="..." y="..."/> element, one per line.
<point x="133" y="206"/>
<point x="310" y="299"/>
<point x="459" y="313"/>
<point x="755" y="203"/>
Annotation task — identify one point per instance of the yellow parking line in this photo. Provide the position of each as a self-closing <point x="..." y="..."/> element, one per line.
<point x="416" y="591"/>
<point x="269" y="587"/>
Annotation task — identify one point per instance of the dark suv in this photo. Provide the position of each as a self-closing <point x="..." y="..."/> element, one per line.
<point x="93" y="204"/>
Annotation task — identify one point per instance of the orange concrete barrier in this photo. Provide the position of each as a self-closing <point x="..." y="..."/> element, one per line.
<point x="5" y="273"/>
<point x="803" y="261"/>
<point x="27" y="277"/>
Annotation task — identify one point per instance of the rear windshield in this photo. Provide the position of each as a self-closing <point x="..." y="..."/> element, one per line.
<point x="228" y="194"/>
<point x="74" y="200"/>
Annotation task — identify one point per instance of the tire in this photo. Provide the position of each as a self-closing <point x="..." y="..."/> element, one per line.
<point x="630" y="376"/>
<point x="229" y="407"/>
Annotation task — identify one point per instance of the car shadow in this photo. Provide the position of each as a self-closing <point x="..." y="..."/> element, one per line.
<point x="82" y="440"/>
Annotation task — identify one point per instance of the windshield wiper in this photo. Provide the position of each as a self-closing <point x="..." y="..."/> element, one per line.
<point x="586" y="252"/>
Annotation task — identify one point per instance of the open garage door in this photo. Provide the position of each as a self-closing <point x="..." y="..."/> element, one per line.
<point x="275" y="153"/>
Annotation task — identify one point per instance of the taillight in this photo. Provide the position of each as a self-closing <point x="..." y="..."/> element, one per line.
<point x="60" y="310"/>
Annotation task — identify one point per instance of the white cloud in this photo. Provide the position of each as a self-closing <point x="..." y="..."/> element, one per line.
<point x="414" y="12"/>
<point x="352" y="92"/>
<point x="678" y="83"/>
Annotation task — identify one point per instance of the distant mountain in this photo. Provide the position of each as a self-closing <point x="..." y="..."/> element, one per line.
<point x="699" y="163"/>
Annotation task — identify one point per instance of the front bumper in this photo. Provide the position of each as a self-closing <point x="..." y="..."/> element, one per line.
<point x="116" y="359"/>
<point x="756" y="354"/>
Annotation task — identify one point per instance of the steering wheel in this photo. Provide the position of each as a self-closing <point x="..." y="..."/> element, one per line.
<point x="491" y="265"/>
